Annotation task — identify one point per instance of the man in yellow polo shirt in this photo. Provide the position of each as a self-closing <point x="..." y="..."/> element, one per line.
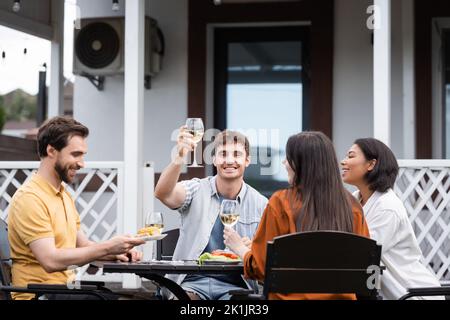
<point x="43" y="222"/>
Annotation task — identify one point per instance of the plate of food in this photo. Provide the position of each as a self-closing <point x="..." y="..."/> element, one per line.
<point x="150" y="233"/>
<point x="219" y="257"/>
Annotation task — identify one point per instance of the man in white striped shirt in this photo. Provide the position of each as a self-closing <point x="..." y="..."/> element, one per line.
<point x="198" y="201"/>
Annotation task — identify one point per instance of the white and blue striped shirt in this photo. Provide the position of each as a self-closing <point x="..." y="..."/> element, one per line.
<point x="199" y="213"/>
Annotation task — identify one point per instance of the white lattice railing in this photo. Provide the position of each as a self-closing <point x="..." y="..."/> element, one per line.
<point x="97" y="191"/>
<point x="424" y="188"/>
<point x="422" y="185"/>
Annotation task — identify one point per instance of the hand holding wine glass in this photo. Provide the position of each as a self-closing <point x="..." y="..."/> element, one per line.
<point x="185" y="143"/>
<point x="229" y="212"/>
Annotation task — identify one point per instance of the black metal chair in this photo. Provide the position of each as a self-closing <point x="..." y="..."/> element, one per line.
<point x="326" y="262"/>
<point x="165" y="247"/>
<point x="90" y="288"/>
<point x="320" y="262"/>
<point x="428" y="292"/>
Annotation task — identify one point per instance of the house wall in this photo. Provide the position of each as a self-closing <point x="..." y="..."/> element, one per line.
<point x="166" y="102"/>
<point x="352" y="75"/>
<point x="352" y="96"/>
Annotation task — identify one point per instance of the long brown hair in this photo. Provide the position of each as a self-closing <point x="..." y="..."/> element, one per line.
<point x="317" y="184"/>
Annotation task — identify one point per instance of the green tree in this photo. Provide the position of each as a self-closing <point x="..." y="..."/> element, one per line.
<point x="22" y="107"/>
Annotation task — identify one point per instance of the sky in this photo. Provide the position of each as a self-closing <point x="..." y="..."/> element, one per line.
<point x="21" y="71"/>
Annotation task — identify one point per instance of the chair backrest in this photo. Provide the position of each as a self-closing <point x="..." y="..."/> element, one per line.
<point x="323" y="262"/>
<point x="5" y="258"/>
<point x="165" y="247"/>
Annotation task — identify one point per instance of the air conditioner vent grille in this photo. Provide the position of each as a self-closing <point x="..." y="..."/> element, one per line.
<point x="97" y="45"/>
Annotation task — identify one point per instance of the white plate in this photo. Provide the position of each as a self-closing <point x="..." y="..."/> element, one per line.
<point x="221" y="262"/>
<point x="153" y="238"/>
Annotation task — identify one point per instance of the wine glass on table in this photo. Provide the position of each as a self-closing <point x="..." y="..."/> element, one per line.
<point x="154" y="219"/>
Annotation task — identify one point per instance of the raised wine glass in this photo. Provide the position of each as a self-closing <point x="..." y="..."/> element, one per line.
<point x="196" y="128"/>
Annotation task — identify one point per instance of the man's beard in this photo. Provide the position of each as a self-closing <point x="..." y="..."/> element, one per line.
<point x="63" y="173"/>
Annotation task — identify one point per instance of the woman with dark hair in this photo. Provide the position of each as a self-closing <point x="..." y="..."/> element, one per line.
<point x="372" y="167"/>
<point x="316" y="200"/>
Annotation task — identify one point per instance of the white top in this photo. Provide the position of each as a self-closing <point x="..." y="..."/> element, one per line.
<point x="389" y="225"/>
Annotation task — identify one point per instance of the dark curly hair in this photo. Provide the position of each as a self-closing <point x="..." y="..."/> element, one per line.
<point x="385" y="171"/>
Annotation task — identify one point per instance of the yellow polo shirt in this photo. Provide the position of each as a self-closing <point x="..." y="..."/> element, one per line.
<point x="39" y="211"/>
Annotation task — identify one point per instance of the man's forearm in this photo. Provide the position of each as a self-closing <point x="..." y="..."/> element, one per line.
<point x="108" y="257"/>
<point x="168" y="179"/>
<point x="64" y="258"/>
<point x="87" y="244"/>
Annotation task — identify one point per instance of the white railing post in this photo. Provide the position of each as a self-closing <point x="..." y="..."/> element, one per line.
<point x="133" y="120"/>
<point x="120" y="196"/>
<point x="382" y="71"/>
<point x="148" y="189"/>
<point x="148" y="205"/>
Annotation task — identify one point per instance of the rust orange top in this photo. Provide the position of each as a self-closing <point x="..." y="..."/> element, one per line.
<point x="278" y="219"/>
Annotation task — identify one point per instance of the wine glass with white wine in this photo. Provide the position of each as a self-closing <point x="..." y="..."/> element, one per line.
<point x="196" y="128"/>
<point x="155" y="219"/>
<point x="229" y="212"/>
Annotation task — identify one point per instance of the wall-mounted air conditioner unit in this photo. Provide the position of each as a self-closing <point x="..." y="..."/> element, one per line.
<point x="99" y="47"/>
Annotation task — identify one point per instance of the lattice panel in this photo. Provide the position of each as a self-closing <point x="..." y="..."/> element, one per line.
<point x="10" y="181"/>
<point x="98" y="206"/>
<point x="425" y="192"/>
<point x="423" y="187"/>
<point x="95" y="192"/>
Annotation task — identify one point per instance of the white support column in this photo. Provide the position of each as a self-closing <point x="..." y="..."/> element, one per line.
<point x="409" y="101"/>
<point x="56" y="90"/>
<point x="133" y="120"/>
<point x="148" y="183"/>
<point x="382" y="71"/>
